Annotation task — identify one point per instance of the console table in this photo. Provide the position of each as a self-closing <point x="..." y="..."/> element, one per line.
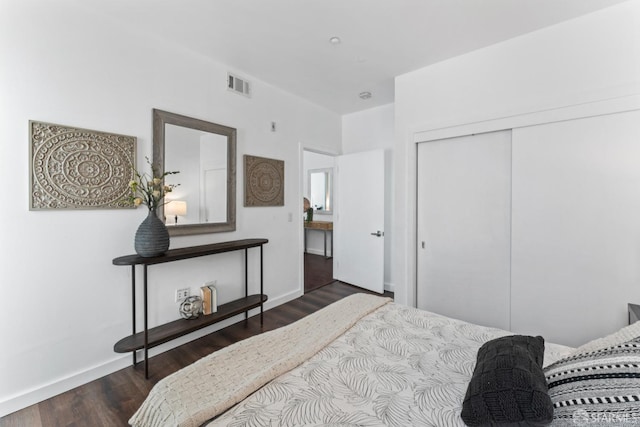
<point x="325" y="226"/>
<point x="149" y="338"/>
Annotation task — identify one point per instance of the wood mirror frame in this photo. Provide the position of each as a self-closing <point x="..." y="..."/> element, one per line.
<point x="160" y="119"/>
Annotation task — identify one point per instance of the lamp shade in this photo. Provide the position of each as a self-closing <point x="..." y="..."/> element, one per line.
<point x="176" y="208"/>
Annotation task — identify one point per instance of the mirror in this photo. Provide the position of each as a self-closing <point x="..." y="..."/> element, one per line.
<point x="320" y="191"/>
<point x="205" y="155"/>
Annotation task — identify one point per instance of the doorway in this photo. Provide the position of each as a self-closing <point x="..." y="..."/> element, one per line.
<point x="318" y="271"/>
<point x="318" y="242"/>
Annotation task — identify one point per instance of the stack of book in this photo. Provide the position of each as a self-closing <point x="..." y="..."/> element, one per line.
<point x="209" y="298"/>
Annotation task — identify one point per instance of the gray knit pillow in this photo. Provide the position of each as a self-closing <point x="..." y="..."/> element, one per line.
<point x="508" y="386"/>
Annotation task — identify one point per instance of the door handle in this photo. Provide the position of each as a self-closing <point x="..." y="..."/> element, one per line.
<point x="378" y="233"/>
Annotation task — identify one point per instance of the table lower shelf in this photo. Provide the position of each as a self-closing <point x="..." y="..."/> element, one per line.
<point x="169" y="331"/>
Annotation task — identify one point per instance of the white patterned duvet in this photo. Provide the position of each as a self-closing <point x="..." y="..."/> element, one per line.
<point x="398" y="366"/>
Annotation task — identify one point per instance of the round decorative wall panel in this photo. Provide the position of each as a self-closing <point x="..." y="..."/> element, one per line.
<point x="75" y="168"/>
<point x="263" y="181"/>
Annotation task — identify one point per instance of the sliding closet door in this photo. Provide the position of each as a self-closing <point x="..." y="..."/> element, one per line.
<point x="576" y="227"/>
<point x="464" y="205"/>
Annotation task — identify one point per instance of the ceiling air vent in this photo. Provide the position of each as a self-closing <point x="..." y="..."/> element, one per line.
<point x="238" y="85"/>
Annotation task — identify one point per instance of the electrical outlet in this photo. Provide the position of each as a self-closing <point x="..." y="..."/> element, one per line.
<point x="182" y="294"/>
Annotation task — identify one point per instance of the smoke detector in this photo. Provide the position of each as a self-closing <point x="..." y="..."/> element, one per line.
<point x="365" y="95"/>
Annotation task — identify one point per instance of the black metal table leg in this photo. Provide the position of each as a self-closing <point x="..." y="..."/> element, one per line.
<point x="146" y="328"/>
<point x="325" y="243"/>
<point x="133" y="306"/>
<point x="246" y="279"/>
<point x="261" y="290"/>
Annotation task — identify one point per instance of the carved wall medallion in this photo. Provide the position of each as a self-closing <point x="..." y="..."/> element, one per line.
<point x="263" y="181"/>
<point x="73" y="168"/>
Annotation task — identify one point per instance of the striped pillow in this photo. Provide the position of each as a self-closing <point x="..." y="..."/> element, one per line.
<point x="601" y="387"/>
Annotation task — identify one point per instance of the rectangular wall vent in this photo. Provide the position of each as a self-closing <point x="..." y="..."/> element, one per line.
<point x="238" y="85"/>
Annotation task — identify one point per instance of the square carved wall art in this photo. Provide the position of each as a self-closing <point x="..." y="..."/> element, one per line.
<point x="263" y="181"/>
<point x="73" y="168"/>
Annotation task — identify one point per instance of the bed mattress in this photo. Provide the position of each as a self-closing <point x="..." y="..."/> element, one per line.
<point x="397" y="366"/>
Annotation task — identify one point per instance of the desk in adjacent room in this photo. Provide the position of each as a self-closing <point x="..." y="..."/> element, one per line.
<point x="324" y="226"/>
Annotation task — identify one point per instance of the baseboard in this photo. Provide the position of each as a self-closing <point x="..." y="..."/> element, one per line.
<point x="390" y="287"/>
<point x="284" y="298"/>
<point x="319" y="251"/>
<point x="36" y="395"/>
<point x="31" y="397"/>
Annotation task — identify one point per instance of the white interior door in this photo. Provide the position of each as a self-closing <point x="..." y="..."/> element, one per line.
<point x="359" y="221"/>
<point x="214" y="189"/>
<point x="464" y="219"/>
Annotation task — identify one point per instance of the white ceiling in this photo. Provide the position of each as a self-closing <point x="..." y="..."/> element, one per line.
<point x="286" y="42"/>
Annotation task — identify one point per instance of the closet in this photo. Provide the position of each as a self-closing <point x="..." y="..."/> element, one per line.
<point x="534" y="229"/>
<point x="464" y="237"/>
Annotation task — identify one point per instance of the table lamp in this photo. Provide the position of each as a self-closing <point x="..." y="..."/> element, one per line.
<point x="176" y="208"/>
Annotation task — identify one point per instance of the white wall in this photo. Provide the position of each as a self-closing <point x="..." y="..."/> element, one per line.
<point x="369" y="130"/>
<point x="591" y="60"/>
<point x="63" y="303"/>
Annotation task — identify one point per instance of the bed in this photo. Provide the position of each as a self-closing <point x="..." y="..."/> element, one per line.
<point x="363" y="361"/>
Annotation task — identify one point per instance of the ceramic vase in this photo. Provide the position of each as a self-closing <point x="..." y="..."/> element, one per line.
<point x="152" y="237"/>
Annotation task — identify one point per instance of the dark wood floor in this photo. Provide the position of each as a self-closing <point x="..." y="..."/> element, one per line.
<point x="318" y="271"/>
<point x="111" y="400"/>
